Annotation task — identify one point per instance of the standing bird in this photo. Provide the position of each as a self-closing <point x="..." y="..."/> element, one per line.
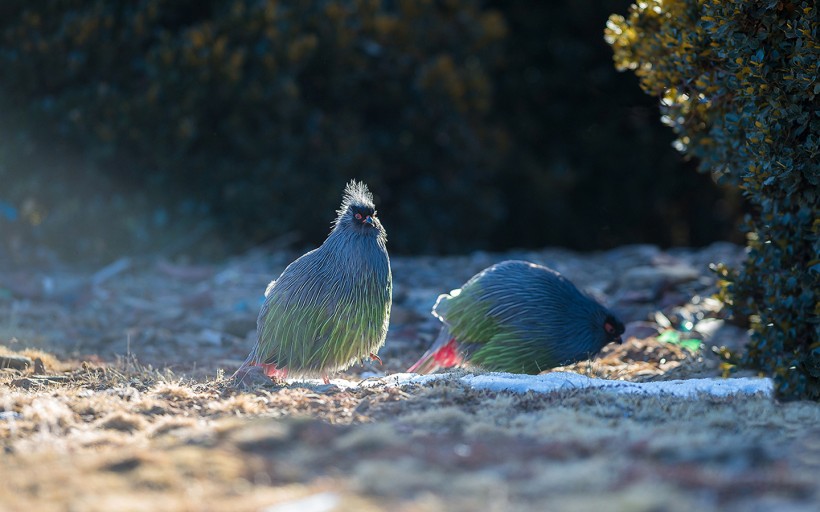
<point x="518" y="317"/>
<point x="330" y="308"/>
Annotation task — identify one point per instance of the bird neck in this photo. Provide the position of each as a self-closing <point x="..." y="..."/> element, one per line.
<point x="357" y="251"/>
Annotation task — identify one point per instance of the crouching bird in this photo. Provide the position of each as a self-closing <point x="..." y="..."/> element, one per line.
<point x="518" y="317"/>
<point x="330" y="308"/>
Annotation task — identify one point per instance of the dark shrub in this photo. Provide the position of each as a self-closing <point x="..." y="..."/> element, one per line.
<point x="738" y="84"/>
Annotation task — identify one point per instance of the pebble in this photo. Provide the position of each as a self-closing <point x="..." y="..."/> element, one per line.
<point x="15" y="362"/>
<point x="647" y="277"/>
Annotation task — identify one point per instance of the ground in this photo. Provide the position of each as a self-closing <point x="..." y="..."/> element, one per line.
<point x="117" y="398"/>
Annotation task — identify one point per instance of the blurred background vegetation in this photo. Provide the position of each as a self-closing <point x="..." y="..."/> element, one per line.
<point x="208" y="127"/>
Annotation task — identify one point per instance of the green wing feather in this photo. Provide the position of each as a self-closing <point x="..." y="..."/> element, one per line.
<point x="488" y="341"/>
<point x="508" y="318"/>
<point x="326" y="322"/>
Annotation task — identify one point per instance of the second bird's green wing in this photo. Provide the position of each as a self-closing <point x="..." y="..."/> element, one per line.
<point x="498" y="318"/>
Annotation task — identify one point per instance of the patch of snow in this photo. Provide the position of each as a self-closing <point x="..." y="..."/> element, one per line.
<point x="557" y="381"/>
<point x="321" y="502"/>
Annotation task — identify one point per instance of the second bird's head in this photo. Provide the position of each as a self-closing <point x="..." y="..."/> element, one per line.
<point x="613" y="328"/>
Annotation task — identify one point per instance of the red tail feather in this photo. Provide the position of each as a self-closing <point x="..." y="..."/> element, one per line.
<point x="447" y="355"/>
<point x="439" y="356"/>
<point x="249" y="369"/>
<point x="272" y="371"/>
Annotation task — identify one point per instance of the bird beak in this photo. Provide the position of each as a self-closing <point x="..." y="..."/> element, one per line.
<point x="368" y="220"/>
<point x="619" y="340"/>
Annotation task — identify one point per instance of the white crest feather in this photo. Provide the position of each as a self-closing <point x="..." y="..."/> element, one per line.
<point x="356" y="193"/>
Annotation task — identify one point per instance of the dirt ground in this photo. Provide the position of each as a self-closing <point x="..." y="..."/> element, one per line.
<point x="118" y="400"/>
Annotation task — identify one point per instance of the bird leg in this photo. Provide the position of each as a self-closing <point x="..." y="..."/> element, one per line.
<point x="325" y="379"/>
<point x="374" y="357"/>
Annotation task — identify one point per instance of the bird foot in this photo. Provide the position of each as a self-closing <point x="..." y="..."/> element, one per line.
<point x="273" y="372"/>
<point x="374" y="357"/>
<point x="325" y="379"/>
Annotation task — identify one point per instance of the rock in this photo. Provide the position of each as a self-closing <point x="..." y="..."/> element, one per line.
<point x="730" y="336"/>
<point x="250" y="377"/>
<point x="38" y="381"/>
<point x="635" y="296"/>
<point x="633" y="255"/>
<point x="640" y="330"/>
<point x="239" y="325"/>
<point x="662" y="320"/>
<point x="422" y="300"/>
<point x="654" y="277"/>
<point x="708" y="327"/>
<point x="404" y="315"/>
<point x="210" y="337"/>
<point x="10" y="415"/>
<point x="199" y="300"/>
<point x="15" y="362"/>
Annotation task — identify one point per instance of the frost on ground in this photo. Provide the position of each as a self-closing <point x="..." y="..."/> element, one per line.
<point x="557" y="381"/>
<point x="114" y="398"/>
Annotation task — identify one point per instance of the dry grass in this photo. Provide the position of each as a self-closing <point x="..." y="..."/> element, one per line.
<point x="97" y="429"/>
<point x="128" y="437"/>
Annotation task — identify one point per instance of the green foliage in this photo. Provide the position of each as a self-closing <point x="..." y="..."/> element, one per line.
<point x="738" y="82"/>
<point x="479" y="125"/>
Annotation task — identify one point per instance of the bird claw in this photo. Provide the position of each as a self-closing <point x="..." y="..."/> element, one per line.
<point x="374" y="357"/>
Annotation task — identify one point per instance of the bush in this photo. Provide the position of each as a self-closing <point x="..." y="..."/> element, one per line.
<point x="738" y="84"/>
<point x="242" y="105"/>
<point x="479" y="125"/>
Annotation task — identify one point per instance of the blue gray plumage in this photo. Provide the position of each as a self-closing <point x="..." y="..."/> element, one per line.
<point x="330" y="308"/>
<point x="518" y="317"/>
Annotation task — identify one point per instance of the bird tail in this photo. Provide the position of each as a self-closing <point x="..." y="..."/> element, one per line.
<point x="444" y="353"/>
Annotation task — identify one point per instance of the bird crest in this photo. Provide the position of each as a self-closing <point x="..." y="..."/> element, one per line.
<point x="356" y="194"/>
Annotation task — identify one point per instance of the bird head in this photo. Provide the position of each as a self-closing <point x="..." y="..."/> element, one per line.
<point x="613" y="329"/>
<point x="357" y="212"/>
<point x="364" y="218"/>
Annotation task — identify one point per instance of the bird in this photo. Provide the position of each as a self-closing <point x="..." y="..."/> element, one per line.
<point x="330" y="308"/>
<point x="518" y="317"/>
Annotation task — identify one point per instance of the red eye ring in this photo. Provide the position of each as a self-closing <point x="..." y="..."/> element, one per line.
<point x="609" y="328"/>
<point x="358" y="216"/>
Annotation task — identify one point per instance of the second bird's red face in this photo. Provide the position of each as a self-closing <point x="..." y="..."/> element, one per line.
<point x="614" y="328"/>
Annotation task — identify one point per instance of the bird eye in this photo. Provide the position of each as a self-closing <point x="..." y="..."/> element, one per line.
<point x="358" y="216"/>
<point x="609" y="328"/>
